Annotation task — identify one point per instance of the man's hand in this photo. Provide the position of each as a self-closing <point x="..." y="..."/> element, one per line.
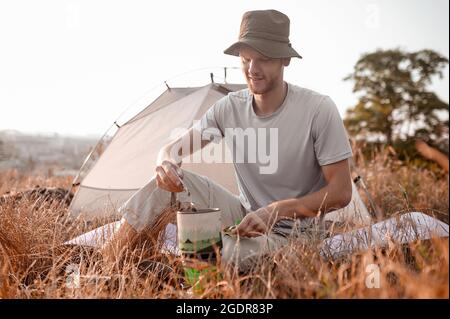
<point x="259" y="222"/>
<point x="169" y="176"/>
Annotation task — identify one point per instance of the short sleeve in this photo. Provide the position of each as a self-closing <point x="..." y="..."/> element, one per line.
<point x="331" y="143"/>
<point x="211" y="125"/>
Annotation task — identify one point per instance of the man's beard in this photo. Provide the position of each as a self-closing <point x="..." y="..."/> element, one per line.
<point x="269" y="86"/>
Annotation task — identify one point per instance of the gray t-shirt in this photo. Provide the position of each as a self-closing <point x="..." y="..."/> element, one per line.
<point x="279" y="156"/>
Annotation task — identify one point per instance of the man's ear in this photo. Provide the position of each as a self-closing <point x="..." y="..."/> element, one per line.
<point x="286" y="61"/>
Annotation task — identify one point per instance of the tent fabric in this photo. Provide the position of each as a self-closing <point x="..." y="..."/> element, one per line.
<point x="133" y="151"/>
<point x="173" y="94"/>
<point x="166" y="98"/>
<point x="98" y="202"/>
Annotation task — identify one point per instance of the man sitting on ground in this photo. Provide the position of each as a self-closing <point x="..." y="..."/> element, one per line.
<point x="312" y="172"/>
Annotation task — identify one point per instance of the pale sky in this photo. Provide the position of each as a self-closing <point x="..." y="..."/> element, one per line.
<point x="72" y="67"/>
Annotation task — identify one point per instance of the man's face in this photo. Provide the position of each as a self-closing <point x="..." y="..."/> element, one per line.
<point x="262" y="74"/>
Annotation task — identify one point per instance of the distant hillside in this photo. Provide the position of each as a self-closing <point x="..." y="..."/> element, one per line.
<point x="43" y="152"/>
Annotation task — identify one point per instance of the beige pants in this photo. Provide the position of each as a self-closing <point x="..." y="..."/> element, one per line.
<point x="142" y="209"/>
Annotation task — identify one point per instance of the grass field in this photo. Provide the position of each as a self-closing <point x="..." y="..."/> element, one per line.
<point x="34" y="264"/>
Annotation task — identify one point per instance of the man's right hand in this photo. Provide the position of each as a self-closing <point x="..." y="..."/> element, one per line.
<point x="169" y="176"/>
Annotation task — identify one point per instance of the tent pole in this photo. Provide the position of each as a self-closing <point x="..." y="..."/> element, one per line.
<point x="92" y="151"/>
<point x="360" y="181"/>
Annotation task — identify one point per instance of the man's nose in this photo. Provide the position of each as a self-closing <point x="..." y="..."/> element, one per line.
<point x="253" y="67"/>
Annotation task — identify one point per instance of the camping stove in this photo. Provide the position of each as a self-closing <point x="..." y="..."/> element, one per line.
<point x="199" y="242"/>
<point x="198" y="230"/>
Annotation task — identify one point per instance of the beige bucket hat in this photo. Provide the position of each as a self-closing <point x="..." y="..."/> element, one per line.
<point x="266" y="31"/>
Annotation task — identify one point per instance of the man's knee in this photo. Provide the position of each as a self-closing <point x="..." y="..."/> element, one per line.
<point x="243" y="253"/>
<point x="145" y="205"/>
<point x="142" y="209"/>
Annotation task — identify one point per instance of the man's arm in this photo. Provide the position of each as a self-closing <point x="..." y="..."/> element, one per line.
<point x="336" y="194"/>
<point x="181" y="146"/>
<point x="169" y="159"/>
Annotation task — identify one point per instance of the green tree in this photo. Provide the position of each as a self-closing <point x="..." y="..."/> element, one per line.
<point x="394" y="101"/>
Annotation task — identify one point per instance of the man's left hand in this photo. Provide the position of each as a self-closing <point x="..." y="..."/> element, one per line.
<point x="259" y="222"/>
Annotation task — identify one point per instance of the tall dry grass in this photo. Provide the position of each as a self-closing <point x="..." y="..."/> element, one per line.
<point x="397" y="187"/>
<point x="34" y="264"/>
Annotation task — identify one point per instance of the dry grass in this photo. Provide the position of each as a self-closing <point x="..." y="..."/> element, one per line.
<point x="33" y="263"/>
